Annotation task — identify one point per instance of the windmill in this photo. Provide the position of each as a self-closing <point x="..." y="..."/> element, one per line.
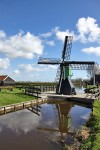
<point x="65" y="85"/>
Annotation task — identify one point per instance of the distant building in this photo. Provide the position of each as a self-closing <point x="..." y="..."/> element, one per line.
<point x="97" y="79"/>
<point x="5" y="80"/>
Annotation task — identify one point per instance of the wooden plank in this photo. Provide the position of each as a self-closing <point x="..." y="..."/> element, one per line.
<point x="85" y="98"/>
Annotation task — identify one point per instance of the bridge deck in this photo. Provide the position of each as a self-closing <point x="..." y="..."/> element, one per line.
<point x="84" y="98"/>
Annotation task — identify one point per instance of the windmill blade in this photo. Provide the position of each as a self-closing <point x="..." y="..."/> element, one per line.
<point x="67" y="48"/>
<point x="52" y="61"/>
<point x="58" y="74"/>
<point x="60" y="79"/>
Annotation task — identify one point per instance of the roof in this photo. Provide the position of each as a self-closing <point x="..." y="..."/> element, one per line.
<point x="2" y="77"/>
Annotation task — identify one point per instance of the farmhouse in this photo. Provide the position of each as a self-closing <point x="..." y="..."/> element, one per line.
<point x="5" y="80"/>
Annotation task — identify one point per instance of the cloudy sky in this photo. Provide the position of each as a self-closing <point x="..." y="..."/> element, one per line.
<point x="30" y="29"/>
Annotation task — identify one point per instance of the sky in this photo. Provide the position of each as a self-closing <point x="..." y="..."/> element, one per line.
<point x="30" y="29"/>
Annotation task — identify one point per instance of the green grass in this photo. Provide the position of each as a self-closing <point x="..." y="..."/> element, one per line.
<point x="11" y="97"/>
<point x="93" y="142"/>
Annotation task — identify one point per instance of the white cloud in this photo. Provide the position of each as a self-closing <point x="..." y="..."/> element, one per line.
<point x="52" y="67"/>
<point x="92" y="50"/>
<point x="87" y="25"/>
<point x="2" y="34"/>
<point x="33" y="68"/>
<point x="51" y="43"/>
<point x="21" y="45"/>
<point x="4" y="63"/>
<point x="89" y="30"/>
<point x="16" y="72"/>
<point x="28" y="45"/>
<point x="46" y="35"/>
<point x="61" y="34"/>
<point x="26" y="67"/>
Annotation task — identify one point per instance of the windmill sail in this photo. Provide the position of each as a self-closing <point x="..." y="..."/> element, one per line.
<point x="60" y="78"/>
<point x="52" y="61"/>
<point x="66" y="52"/>
<point x="58" y="74"/>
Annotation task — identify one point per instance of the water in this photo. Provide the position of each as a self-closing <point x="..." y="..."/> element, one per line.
<point x="24" y="130"/>
<point x="79" y="89"/>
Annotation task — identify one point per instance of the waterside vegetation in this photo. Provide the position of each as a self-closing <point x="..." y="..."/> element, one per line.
<point x="93" y="141"/>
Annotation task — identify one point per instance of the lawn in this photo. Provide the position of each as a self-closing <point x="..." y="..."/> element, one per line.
<point x="11" y="97"/>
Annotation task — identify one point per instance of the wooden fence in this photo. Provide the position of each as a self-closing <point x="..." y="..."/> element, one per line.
<point x="20" y="106"/>
<point x="46" y="88"/>
<point x="33" y="91"/>
<point x="39" y="89"/>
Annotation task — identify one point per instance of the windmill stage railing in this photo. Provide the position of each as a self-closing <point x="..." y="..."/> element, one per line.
<point x="37" y="90"/>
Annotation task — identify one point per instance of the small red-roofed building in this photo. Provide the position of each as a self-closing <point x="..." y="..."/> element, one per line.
<point x="5" y="80"/>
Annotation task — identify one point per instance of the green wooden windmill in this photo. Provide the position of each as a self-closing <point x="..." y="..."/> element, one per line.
<point x="65" y="85"/>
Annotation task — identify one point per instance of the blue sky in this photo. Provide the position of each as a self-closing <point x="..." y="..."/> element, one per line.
<point x="30" y="29"/>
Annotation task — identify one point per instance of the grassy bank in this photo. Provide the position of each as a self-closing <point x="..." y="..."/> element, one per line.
<point x="93" y="142"/>
<point x="10" y="97"/>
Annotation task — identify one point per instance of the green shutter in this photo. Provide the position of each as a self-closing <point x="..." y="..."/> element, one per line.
<point x="67" y="72"/>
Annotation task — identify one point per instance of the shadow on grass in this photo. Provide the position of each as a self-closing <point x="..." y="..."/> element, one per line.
<point x="23" y="95"/>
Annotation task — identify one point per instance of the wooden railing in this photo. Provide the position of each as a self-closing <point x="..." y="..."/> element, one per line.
<point x="41" y="88"/>
<point x="46" y="88"/>
<point x="33" y="91"/>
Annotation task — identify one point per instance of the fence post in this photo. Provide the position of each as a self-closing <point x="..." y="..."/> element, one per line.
<point x="41" y="88"/>
<point x="37" y="95"/>
<point x="54" y="87"/>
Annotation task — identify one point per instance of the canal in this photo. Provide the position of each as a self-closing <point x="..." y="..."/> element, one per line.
<point x="54" y="124"/>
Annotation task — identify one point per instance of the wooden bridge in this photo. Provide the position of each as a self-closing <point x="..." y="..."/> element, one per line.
<point x="51" y="96"/>
<point x="87" y="97"/>
<point x="83" y="98"/>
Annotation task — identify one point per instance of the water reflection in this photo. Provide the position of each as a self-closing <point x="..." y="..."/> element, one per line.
<point x="62" y="118"/>
<point x="21" y="121"/>
<point x="79" y="89"/>
<point x="25" y="130"/>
